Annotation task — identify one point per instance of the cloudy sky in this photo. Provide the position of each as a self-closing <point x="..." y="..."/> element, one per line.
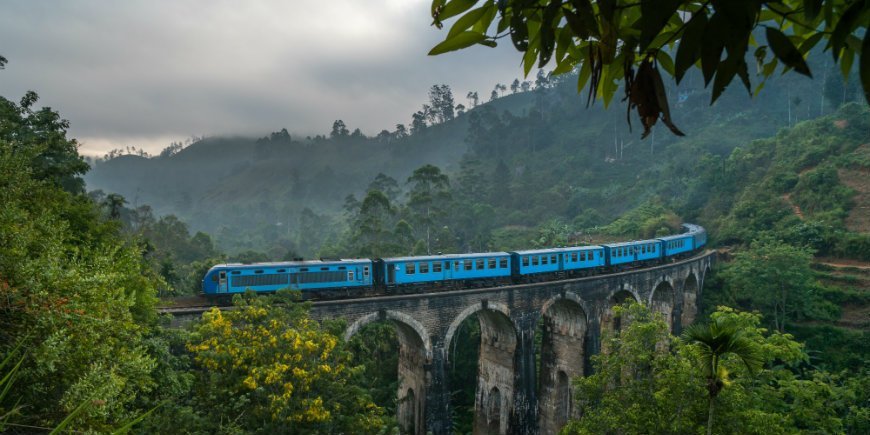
<point x="144" y="73"/>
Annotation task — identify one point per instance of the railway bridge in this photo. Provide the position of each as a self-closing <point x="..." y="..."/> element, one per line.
<point x="509" y="399"/>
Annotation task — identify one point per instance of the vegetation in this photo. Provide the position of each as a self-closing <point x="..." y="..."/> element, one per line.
<point x="613" y="40"/>
<point x="757" y="379"/>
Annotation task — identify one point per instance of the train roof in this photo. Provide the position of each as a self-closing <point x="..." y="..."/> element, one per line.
<point x="631" y="243"/>
<point x="556" y="250"/>
<point x="448" y="256"/>
<point x="297" y="263"/>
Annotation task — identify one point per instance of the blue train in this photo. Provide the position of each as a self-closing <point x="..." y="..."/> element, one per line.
<point x="328" y="279"/>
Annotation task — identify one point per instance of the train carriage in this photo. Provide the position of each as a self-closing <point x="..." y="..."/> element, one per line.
<point x="537" y="261"/>
<point x="314" y="275"/>
<point x="582" y="257"/>
<point x="426" y="269"/>
<point x="677" y="244"/>
<point x="620" y="253"/>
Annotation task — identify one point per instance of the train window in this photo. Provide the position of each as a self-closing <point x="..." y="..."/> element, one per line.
<point x="342" y="268"/>
<point x="553" y="259"/>
<point x="324" y="268"/>
<point x="436" y="266"/>
<point x="409" y="268"/>
<point x="543" y="259"/>
<point x="282" y="270"/>
<point x="525" y="261"/>
<point x="457" y="265"/>
<point x="304" y="269"/>
<point x="235" y="272"/>
<point x="350" y="275"/>
<point x="534" y="261"/>
<point x="366" y="272"/>
<point x="643" y="249"/>
<point x="258" y="271"/>
<point x="479" y="264"/>
<point x="574" y="256"/>
<point x="468" y="264"/>
<point x="424" y="267"/>
<point x="214" y="277"/>
<point x="490" y="264"/>
<point x="502" y="263"/>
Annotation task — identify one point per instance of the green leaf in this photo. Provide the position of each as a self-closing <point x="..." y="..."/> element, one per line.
<point x="129" y="425"/>
<point x="466" y="21"/>
<point x="483" y="24"/>
<point x="69" y="418"/>
<point x="519" y="33"/>
<point x="654" y="15"/>
<point x="712" y="45"/>
<point x="548" y="35"/>
<point x="586" y="15"/>
<point x="529" y="58"/>
<point x="845" y="26"/>
<point x="665" y="61"/>
<point x="460" y="41"/>
<point x="811" y="42"/>
<point x="786" y="51"/>
<point x="812" y="8"/>
<point x="864" y="66"/>
<point x="689" y="49"/>
<point x="455" y="7"/>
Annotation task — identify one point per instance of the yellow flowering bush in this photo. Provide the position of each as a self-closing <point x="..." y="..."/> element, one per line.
<point x="273" y="364"/>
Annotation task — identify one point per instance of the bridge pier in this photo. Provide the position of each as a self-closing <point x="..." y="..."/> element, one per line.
<point x="563" y="357"/>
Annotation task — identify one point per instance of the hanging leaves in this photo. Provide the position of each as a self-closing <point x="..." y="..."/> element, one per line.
<point x="606" y="40"/>
<point x="645" y="92"/>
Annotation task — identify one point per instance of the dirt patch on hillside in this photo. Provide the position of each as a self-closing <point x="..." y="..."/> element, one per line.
<point x="855" y="316"/>
<point x="859" y="181"/>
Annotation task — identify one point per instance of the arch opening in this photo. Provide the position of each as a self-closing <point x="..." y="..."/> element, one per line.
<point x="393" y="354"/>
<point x="690" y="301"/>
<point x="481" y="369"/>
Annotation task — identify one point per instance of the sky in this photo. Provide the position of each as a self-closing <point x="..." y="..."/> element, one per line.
<point x="146" y="73"/>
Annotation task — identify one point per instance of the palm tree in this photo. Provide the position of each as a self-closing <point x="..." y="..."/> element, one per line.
<point x="715" y="341"/>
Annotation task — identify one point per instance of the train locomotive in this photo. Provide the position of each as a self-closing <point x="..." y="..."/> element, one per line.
<point x="343" y="278"/>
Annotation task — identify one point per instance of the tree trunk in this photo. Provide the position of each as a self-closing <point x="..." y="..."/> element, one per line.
<point x="710" y="416"/>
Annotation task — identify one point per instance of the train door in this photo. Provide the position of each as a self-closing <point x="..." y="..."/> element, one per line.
<point x="222" y="282"/>
<point x="448" y="270"/>
<point x="562" y="261"/>
<point x="365" y="277"/>
<point x="391" y="273"/>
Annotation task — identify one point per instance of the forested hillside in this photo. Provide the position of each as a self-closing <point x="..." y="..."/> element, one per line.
<point x="534" y="154"/>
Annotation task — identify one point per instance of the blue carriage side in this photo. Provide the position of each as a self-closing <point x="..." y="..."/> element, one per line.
<point x="677" y="244"/>
<point x="582" y="257"/>
<point x="535" y="261"/>
<point x="425" y="269"/>
<point x="295" y="275"/>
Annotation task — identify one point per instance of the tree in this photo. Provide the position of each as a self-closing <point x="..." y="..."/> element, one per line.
<point x="41" y="134"/>
<point x="339" y="130"/>
<point x="114" y="203"/>
<point x="460" y="109"/>
<point x="386" y="184"/>
<point x="473" y="98"/>
<point x="441" y="104"/>
<point x="273" y="369"/>
<point x="515" y="86"/>
<point x="526" y="86"/>
<point x="418" y="122"/>
<point x="715" y="341"/>
<point x="774" y="277"/>
<point x="427" y="197"/>
<point x="400" y="132"/>
<point x="372" y="235"/>
<point x="633" y="41"/>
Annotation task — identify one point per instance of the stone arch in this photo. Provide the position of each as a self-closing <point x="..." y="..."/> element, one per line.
<point x="415" y="351"/>
<point x="662" y="300"/>
<point x="468" y="311"/>
<point x="496" y="368"/>
<point x="401" y="320"/>
<point x="563" y="356"/>
<point x="690" y="292"/>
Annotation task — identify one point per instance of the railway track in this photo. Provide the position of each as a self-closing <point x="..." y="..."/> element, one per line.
<point x="189" y="305"/>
